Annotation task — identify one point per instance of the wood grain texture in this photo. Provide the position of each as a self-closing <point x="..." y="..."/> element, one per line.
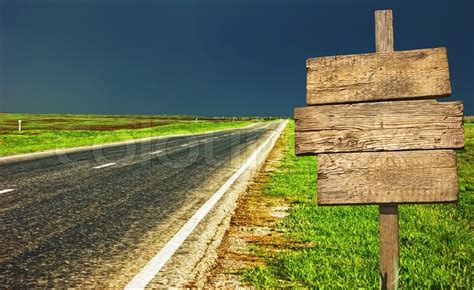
<point x="389" y="245"/>
<point x="383" y="31"/>
<point x="378" y="76"/>
<point x="379" y="126"/>
<point x="388" y="214"/>
<point x="425" y="176"/>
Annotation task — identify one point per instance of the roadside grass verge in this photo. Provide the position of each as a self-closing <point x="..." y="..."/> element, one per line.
<point x="85" y="130"/>
<point x="342" y="243"/>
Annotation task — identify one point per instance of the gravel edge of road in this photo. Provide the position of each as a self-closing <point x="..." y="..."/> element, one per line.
<point x="200" y="277"/>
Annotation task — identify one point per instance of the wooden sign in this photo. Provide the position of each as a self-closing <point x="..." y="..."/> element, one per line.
<point x="396" y="125"/>
<point x="380" y="135"/>
<point x="408" y="74"/>
<point x="423" y="176"/>
<point x="379" y="126"/>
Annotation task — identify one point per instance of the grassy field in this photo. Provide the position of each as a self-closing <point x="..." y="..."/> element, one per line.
<point x="43" y="132"/>
<point x="341" y="247"/>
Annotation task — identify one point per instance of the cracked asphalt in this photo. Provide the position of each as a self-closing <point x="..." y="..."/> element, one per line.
<point x="67" y="223"/>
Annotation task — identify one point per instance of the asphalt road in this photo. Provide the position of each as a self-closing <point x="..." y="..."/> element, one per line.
<point x="77" y="219"/>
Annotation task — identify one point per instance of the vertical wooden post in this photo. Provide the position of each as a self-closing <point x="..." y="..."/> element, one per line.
<point x="388" y="214"/>
<point x="389" y="249"/>
<point x="383" y="31"/>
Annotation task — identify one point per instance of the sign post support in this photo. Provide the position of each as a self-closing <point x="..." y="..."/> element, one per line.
<point x="388" y="214"/>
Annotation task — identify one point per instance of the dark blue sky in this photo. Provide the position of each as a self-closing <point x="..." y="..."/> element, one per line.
<point x="209" y="57"/>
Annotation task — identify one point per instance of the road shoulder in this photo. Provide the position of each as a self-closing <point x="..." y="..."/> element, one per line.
<point x="252" y="221"/>
<point x="198" y="252"/>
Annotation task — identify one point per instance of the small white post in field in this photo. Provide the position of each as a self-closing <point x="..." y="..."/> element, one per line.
<point x="19" y="125"/>
<point x="196" y="120"/>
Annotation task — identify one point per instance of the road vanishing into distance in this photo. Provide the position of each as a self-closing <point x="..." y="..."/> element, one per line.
<point x="92" y="218"/>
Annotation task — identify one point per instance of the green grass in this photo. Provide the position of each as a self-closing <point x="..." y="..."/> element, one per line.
<point x="436" y="241"/>
<point x="43" y="132"/>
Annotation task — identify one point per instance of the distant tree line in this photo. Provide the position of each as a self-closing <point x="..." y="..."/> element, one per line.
<point x="469" y="119"/>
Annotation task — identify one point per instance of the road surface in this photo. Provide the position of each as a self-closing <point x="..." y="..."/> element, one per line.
<point x="82" y="219"/>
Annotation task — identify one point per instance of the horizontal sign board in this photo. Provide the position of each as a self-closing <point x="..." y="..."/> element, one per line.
<point x="379" y="126"/>
<point x="426" y="176"/>
<point x="378" y="76"/>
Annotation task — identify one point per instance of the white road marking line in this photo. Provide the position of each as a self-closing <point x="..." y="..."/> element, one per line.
<point x="7" y="190"/>
<point x="156" y="152"/>
<point x="105" y="165"/>
<point x="141" y="280"/>
<point x="183" y="145"/>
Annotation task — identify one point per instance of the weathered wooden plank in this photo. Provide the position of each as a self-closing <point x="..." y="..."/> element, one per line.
<point x="379" y="126"/>
<point x="425" y="176"/>
<point x="378" y="76"/>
